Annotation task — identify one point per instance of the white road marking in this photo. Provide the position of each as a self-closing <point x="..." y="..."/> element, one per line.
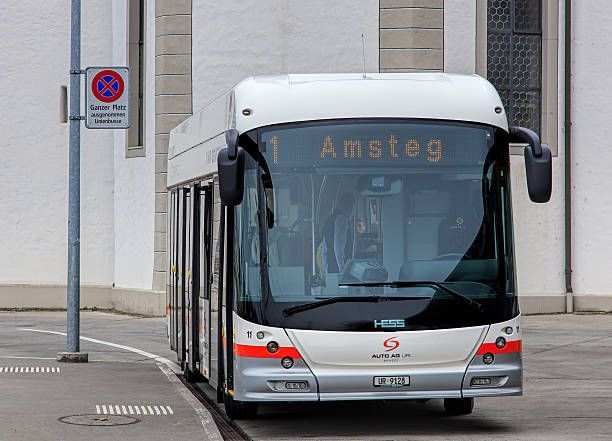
<point x="172" y="365"/>
<point x="124" y="409"/>
<point x="57" y="370"/>
<point x="26" y="369"/>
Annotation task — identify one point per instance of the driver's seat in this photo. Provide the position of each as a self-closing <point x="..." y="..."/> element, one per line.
<point x="458" y="231"/>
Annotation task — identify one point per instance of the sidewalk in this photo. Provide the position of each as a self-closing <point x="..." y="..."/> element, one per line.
<point x="121" y="384"/>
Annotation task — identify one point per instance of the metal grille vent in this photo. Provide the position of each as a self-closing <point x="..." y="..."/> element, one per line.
<point x="514" y="58"/>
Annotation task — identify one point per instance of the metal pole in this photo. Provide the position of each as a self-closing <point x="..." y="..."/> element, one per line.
<point x="569" y="299"/>
<point x="74" y="190"/>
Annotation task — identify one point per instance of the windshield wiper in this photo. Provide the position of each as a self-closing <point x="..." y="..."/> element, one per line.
<point x="312" y="305"/>
<point x="400" y="284"/>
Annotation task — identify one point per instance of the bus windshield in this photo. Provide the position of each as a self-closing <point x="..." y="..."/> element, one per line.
<point x="375" y="225"/>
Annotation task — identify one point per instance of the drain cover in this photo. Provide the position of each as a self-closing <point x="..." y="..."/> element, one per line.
<point x="99" y="420"/>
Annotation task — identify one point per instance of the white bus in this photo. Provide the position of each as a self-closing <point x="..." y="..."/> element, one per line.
<point x="348" y="237"/>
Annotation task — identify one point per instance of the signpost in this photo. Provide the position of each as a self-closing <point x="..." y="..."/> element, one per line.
<point x="107" y="98"/>
<point x="107" y="105"/>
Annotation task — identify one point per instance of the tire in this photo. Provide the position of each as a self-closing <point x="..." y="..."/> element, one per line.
<point x="239" y="410"/>
<point x="189" y="375"/>
<point x="219" y="394"/>
<point x="458" y="406"/>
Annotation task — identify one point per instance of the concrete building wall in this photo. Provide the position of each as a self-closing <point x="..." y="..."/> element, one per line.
<point x="460" y="36"/>
<point x="123" y="201"/>
<point x="34" y="147"/>
<point x="117" y="194"/>
<point x="591" y="158"/>
<point x="411" y="35"/>
<point x="173" y="103"/>
<point x="233" y="40"/>
<point x="134" y="185"/>
<point x="539" y="228"/>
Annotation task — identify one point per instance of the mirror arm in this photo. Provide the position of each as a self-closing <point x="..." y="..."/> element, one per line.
<point x="230" y="166"/>
<point x="231" y="139"/>
<point x="521" y="134"/>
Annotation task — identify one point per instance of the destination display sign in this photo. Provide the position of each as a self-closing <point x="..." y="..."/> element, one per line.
<point x="376" y="144"/>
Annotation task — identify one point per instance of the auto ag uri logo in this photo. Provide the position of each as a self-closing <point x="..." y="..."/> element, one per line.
<point x="391" y="343"/>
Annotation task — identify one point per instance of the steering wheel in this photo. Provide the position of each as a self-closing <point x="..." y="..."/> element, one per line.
<point x="452" y="256"/>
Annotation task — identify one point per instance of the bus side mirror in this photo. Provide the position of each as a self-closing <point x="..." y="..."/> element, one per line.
<point x="230" y="164"/>
<point x="538" y="164"/>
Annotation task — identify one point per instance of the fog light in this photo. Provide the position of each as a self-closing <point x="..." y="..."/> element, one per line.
<point x="287" y="362"/>
<point x="487" y="358"/>
<point x="260" y="335"/>
<point x="500" y="342"/>
<point x="481" y="381"/>
<point x="508" y="330"/>
<point x="296" y="385"/>
<point x="272" y="347"/>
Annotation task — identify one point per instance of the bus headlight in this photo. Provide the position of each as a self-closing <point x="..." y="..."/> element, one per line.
<point x="487" y="358"/>
<point x="500" y="342"/>
<point x="272" y="347"/>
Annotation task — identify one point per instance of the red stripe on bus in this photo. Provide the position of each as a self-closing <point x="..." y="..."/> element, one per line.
<point x="262" y="352"/>
<point x="511" y="346"/>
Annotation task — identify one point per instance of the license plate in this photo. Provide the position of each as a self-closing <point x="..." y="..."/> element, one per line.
<point x="398" y="381"/>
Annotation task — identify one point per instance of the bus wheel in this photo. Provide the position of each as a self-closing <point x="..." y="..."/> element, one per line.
<point x="458" y="406"/>
<point x="238" y="410"/>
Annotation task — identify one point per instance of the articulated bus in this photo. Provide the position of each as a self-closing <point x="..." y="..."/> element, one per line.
<point x="348" y="237"/>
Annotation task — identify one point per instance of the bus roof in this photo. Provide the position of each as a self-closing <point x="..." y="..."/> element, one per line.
<point x="288" y="98"/>
<point x="267" y="100"/>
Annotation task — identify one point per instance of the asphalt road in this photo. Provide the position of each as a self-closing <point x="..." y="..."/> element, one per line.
<point x="117" y="385"/>
<point x="568" y="389"/>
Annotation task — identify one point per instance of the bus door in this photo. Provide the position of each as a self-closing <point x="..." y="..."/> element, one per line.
<point x="193" y="285"/>
<point x="205" y="280"/>
<point x="216" y="339"/>
<point x="172" y="270"/>
<point x="183" y="204"/>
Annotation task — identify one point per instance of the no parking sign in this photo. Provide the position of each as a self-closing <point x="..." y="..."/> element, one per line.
<point x="107" y="98"/>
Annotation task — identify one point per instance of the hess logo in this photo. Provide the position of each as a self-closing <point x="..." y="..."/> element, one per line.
<point x="389" y="323"/>
<point x="391" y="343"/>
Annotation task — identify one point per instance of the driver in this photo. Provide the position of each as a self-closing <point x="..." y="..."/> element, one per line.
<point x="365" y="245"/>
<point x="337" y="241"/>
